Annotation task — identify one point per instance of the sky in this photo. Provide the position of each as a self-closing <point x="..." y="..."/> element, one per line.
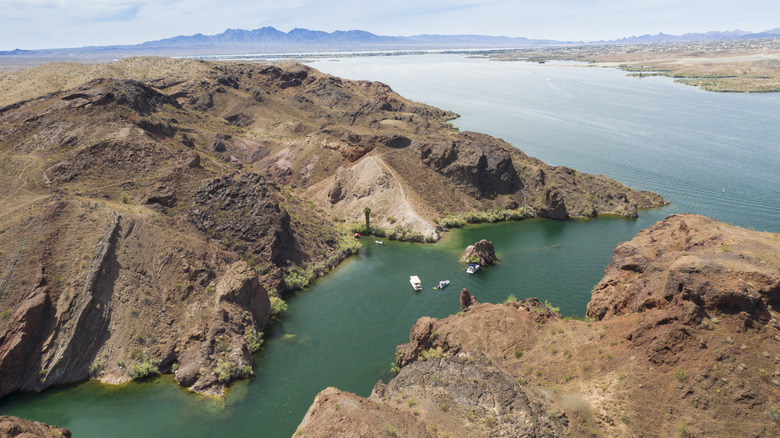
<point x="40" y="24"/>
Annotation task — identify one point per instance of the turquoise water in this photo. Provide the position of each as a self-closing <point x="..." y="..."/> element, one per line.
<point x="343" y="331"/>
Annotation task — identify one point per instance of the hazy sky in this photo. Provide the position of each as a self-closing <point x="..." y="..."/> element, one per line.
<point x="36" y="24"/>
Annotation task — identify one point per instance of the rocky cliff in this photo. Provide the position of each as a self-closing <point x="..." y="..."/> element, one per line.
<point x="12" y="427"/>
<point x="151" y="211"/>
<point x="700" y="361"/>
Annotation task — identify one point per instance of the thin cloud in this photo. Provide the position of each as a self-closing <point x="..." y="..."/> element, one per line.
<point x="34" y="24"/>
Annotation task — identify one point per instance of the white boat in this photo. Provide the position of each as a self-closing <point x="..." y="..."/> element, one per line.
<point x="473" y="267"/>
<point x="379" y="242"/>
<point x="442" y="284"/>
<point x="416" y="283"/>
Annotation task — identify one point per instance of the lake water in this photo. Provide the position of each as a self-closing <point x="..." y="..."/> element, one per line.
<point x="714" y="154"/>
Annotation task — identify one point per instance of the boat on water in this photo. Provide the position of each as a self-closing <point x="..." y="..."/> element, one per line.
<point x="473" y="267"/>
<point x="442" y="284"/>
<point x="416" y="283"/>
<point x="379" y="242"/>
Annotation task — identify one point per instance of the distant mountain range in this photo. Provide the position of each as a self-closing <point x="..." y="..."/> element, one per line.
<point x="271" y="40"/>
<point x="709" y="36"/>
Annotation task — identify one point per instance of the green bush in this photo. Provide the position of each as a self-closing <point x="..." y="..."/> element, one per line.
<point x="298" y="278"/>
<point x="277" y="305"/>
<point x="225" y="370"/>
<point x="431" y="353"/>
<point x="254" y="339"/>
<point x="144" y="368"/>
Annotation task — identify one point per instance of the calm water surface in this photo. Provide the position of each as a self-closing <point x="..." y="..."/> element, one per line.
<point x="715" y="154"/>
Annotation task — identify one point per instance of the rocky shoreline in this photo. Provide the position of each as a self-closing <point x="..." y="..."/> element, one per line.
<point x="682" y="341"/>
<point x="155" y="214"/>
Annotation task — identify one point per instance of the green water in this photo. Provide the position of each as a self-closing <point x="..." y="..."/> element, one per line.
<point x="343" y="331"/>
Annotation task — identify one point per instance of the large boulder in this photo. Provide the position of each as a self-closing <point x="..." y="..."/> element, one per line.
<point x="481" y="252"/>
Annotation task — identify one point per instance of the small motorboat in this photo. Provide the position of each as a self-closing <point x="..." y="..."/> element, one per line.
<point x="473" y="267"/>
<point x="416" y="283"/>
<point x="379" y="242"/>
<point x="442" y="284"/>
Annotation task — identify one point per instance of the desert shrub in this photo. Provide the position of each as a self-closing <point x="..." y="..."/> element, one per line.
<point x="96" y="368"/>
<point x="225" y="370"/>
<point x="253" y="340"/>
<point x="298" y="278"/>
<point x="431" y="353"/>
<point x="774" y="414"/>
<point x="277" y="305"/>
<point x="357" y="227"/>
<point x="144" y="368"/>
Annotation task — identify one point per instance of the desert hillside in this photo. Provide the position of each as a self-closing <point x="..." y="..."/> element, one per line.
<point x="153" y="211"/>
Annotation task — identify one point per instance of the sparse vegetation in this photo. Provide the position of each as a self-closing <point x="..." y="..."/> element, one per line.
<point x="682" y="429"/>
<point x="390" y="430"/>
<point x="774" y="414"/>
<point x="143" y="368"/>
<point x="431" y="353"/>
<point x="96" y="368"/>
<point x="551" y="308"/>
<point x="225" y="370"/>
<point x="277" y="305"/>
<point x="254" y="340"/>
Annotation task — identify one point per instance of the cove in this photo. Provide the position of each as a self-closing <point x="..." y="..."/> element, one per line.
<point x="686" y="144"/>
<point x="343" y="330"/>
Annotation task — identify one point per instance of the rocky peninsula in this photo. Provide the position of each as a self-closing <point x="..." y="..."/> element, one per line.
<point x="155" y="210"/>
<point x="681" y="340"/>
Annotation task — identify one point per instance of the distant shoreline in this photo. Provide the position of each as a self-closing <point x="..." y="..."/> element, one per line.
<point x="744" y="66"/>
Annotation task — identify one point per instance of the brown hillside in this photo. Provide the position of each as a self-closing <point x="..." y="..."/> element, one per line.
<point x="148" y="212"/>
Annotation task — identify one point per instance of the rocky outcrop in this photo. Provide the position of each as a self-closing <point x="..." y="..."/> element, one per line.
<point x="481" y="252"/>
<point x="553" y="205"/>
<point x="242" y="210"/>
<point x="223" y="342"/>
<point x="466" y="300"/>
<point x="13" y="427"/>
<point x="20" y="345"/>
<point x="695" y="261"/>
<point x="474" y="163"/>
<point x="701" y="362"/>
